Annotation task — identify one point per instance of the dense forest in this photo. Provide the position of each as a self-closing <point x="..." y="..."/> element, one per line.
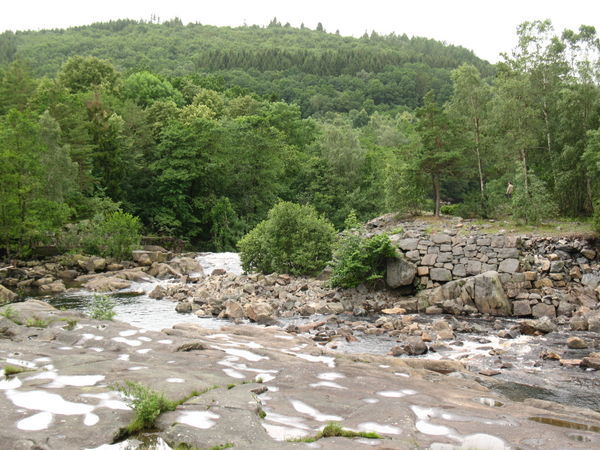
<point x="198" y="130"/>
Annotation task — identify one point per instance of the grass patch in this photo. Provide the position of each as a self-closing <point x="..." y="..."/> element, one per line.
<point x="261" y="413"/>
<point x="9" y="370"/>
<point x="335" y="429"/>
<point x="70" y="323"/>
<point x="102" y="308"/>
<point x="36" y="322"/>
<point x="11" y="314"/>
<point x="146" y="403"/>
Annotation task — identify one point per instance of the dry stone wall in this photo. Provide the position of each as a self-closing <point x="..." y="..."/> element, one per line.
<point x="459" y="272"/>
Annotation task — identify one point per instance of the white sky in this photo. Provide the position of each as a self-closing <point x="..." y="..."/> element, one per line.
<point x="486" y="27"/>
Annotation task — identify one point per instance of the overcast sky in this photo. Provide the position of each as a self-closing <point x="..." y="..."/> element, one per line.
<point x="485" y="27"/>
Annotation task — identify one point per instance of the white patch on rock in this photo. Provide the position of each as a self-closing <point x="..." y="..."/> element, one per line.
<point x="198" y="419"/>
<point x="45" y="401"/>
<point x="128" y="333"/>
<point x="10" y="383"/>
<point x="378" y="428"/>
<point x="264" y="377"/>
<point x="330" y="384"/>
<point x="175" y="380"/>
<point x="165" y="341"/>
<point x="370" y="400"/>
<point x="328" y="360"/>
<point x="397" y="394"/>
<point x="91" y="419"/>
<point x="138" y="368"/>
<point x="282" y="336"/>
<point x="123" y="357"/>
<point x="37" y="422"/>
<point x="303" y="408"/>
<point x="280" y="433"/>
<point x="234" y="373"/>
<point x="250" y="356"/>
<point x="130" y="342"/>
<point x="330" y="376"/>
<point x="143" y="351"/>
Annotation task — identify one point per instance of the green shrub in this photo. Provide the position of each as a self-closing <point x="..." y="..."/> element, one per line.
<point x="358" y="260"/>
<point x="102" y="308"/>
<point x="451" y="210"/>
<point x="146" y="403"/>
<point x="113" y="234"/>
<point x="293" y="239"/>
<point x="534" y="205"/>
<point x="596" y="217"/>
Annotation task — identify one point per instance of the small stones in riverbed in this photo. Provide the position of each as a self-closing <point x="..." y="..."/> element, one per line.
<point x="575" y="342"/>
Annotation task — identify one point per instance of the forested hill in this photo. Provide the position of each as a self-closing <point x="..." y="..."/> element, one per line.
<point x="320" y="71"/>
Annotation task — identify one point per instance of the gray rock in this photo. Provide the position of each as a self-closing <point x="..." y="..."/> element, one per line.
<point x="594" y="322"/>
<point x="543" y="310"/>
<point x="509" y="265"/>
<point x="408" y="244"/>
<point x="415" y="346"/>
<point x="521" y="308"/>
<point x="591" y="280"/>
<point x="459" y="271"/>
<point x="557" y="266"/>
<point x="439" y="274"/>
<point x="473" y="267"/>
<point x="56" y="287"/>
<point x="186" y="265"/>
<point x="260" y="312"/>
<point x="489" y="295"/>
<point x="576" y="342"/>
<point x="429" y="259"/>
<point x="6" y="295"/>
<point x="233" y="310"/>
<point x="106" y="284"/>
<point x="578" y="323"/>
<point x="183" y="307"/>
<point x="441" y="238"/>
<point x="400" y="273"/>
<point x="158" y="292"/>
<point x="539" y="326"/>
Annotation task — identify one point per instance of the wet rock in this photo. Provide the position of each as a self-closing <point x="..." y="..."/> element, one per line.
<point x="490" y="372"/>
<point x="539" y="326"/>
<point x="591" y="362"/>
<point x="56" y="287"/>
<point x="95" y="264"/>
<point x="593" y="320"/>
<point x="6" y="295"/>
<point x="578" y="323"/>
<point x="158" y="292"/>
<point x="106" y="284"/>
<point x="543" y="310"/>
<point x="233" y="310"/>
<point x="415" y="346"/>
<point x="68" y="274"/>
<point x="260" y="312"/>
<point x="576" y="342"/>
<point x="400" y="273"/>
<point x="183" y="307"/>
<point x="163" y="271"/>
<point x="521" y="308"/>
<point x="443" y="330"/>
<point x="186" y="265"/>
<point x="217" y="272"/>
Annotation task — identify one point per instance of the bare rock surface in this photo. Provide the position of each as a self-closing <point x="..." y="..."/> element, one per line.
<point x="256" y="387"/>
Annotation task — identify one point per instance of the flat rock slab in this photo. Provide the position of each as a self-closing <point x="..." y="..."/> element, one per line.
<point x="257" y="387"/>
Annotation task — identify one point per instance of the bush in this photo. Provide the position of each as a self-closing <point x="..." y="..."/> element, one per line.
<point x="596" y="217"/>
<point x="535" y="205"/>
<point x="293" y="239"/>
<point x="102" y="308"/>
<point x="358" y="260"/>
<point x="451" y="210"/>
<point x="146" y="404"/>
<point x="114" y="234"/>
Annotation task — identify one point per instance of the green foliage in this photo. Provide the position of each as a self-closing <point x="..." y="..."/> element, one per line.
<point x="146" y="403"/>
<point x="451" y="210"/>
<point x="333" y="429"/>
<point x="145" y="88"/>
<point x="113" y="234"/>
<point x="70" y="323"/>
<point x="102" y="308"/>
<point x="293" y="239"/>
<point x="533" y="205"/>
<point x="358" y="260"/>
<point x="82" y="73"/>
<point x="9" y="370"/>
<point x="37" y="322"/>
<point x="596" y="217"/>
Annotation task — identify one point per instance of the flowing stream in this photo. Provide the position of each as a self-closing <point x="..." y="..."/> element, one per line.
<point x="529" y="376"/>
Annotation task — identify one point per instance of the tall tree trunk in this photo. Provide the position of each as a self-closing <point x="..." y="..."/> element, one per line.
<point x="525" y="177"/>
<point x="436" y="193"/>
<point x="478" y="153"/>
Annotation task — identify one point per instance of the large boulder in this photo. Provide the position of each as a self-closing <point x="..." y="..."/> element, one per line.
<point x="106" y="284"/>
<point x="56" y="287"/>
<point x="483" y="292"/>
<point x="260" y="312"/>
<point x="400" y="273"/>
<point x="489" y="295"/>
<point x="233" y="310"/>
<point x="186" y="265"/>
<point x="6" y="295"/>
